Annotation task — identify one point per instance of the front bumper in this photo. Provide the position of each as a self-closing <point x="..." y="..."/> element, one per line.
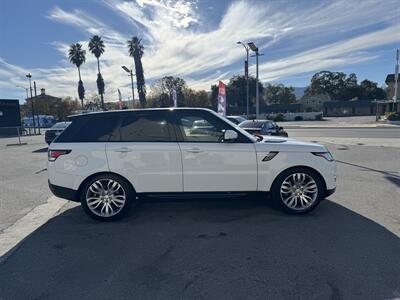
<point x="63" y="192"/>
<point x="329" y="192"/>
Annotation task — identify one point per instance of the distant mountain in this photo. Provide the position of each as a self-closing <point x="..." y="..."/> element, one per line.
<point x="299" y="92"/>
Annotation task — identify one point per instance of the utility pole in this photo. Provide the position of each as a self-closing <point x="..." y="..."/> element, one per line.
<point x="396" y="76"/>
<point x="29" y="76"/>
<point x="246" y="74"/>
<point x="37" y="112"/>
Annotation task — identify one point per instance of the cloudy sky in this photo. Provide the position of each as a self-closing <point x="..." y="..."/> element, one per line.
<point x="195" y="40"/>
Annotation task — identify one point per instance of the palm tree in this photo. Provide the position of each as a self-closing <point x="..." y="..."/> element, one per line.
<point x="136" y="51"/>
<point x="96" y="46"/>
<point x="77" y="56"/>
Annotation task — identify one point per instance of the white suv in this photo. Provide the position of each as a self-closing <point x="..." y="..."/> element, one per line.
<point x="108" y="160"/>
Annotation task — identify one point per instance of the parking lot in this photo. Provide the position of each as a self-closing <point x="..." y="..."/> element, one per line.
<point x="348" y="248"/>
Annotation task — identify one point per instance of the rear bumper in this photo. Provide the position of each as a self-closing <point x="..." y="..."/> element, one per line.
<point x="329" y="192"/>
<point x="63" y="192"/>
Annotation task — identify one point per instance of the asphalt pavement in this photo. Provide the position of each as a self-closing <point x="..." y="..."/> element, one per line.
<point x="348" y="248"/>
<point x="371" y="133"/>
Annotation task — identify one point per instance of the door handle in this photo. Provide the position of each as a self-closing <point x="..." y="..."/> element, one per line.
<point x="194" y="150"/>
<point x="123" y="150"/>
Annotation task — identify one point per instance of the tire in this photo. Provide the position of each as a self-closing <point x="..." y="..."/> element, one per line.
<point x="107" y="197"/>
<point x="307" y="191"/>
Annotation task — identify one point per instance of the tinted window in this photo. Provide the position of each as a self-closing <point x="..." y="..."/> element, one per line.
<point x="199" y="126"/>
<point x="269" y="125"/>
<point x="94" y="128"/>
<point x="60" y="125"/>
<point x="251" y="124"/>
<point x="144" y="127"/>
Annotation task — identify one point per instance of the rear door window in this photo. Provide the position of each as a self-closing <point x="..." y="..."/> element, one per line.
<point x="150" y="126"/>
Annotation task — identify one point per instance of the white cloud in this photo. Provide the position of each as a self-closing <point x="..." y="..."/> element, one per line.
<point x="324" y="35"/>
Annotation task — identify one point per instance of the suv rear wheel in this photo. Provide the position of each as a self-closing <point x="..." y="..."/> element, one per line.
<point x="297" y="191"/>
<point x="106" y="197"/>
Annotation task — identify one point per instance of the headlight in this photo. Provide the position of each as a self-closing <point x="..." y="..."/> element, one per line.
<point x="327" y="155"/>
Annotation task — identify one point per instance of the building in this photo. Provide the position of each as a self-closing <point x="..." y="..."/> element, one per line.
<point x="314" y="103"/>
<point x="10" y="118"/>
<point x="349" y="108"/>
<point x="390" y="82"/>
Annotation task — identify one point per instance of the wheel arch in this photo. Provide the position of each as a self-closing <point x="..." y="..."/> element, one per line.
<point x="103" y="173"/>
<point x="302" y="167"/>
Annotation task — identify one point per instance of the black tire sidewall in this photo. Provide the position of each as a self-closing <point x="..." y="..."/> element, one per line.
<point x="130" y="197"/>
<point x="276" y="195"/>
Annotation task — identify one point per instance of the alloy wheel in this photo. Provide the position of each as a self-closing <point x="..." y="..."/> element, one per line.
<point x="105" y="197"/>
<point x="299" y="191"/>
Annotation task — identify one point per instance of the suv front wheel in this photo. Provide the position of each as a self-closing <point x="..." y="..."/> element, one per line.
<point x="106" y="197"/>
<point x="297" y="191"/>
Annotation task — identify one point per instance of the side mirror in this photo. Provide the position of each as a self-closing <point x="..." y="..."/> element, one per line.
<point x="230" y="135"/>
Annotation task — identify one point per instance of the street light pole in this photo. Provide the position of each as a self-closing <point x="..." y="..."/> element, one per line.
<point x="29" y="76"/>
<point x="257" y="88"/>
<point x="246" y="74"/>
<point x="254" y="48"/>
<point x="130" y="71"/>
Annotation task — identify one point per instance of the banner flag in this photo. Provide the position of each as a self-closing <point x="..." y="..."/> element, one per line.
<point x="120" y="99"/>
<point x="221" y="99"/>
<point x="174" y="98"/>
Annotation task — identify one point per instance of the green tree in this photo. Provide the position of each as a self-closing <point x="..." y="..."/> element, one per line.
<point x="193" y="98"/>
<point x="236" y="93"/>
<point x="326" y="82"/>
<point x="339" y="86"/>
<point x="278" y="93"/>
<point x="60" y="108"/>
<point x="371" y="91"/>
<point x="136" y="51"/>
<point x="96" y="47"/>
<point x="77" y="56"/>
<point x="162" y="90"/>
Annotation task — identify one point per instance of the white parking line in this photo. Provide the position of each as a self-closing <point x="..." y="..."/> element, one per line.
<point x="17" y="232"/>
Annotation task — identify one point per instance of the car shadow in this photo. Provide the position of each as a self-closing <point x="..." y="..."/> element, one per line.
<point x="223" y="249"/>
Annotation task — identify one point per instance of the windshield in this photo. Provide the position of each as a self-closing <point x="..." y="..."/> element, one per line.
<point x="61" y="125"/>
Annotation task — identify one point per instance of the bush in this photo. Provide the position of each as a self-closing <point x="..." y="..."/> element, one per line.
<point x="298" y="118"/>
<point x="279" y="118"/>
<point x="393" y="116"/>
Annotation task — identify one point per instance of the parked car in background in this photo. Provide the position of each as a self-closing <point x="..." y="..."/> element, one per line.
<point x="54" y="131"/>
<point x="263" y="127"/>
<point x="110" y="160"/>
<point x="200" y="127"/>
<point x="236" y="119"/>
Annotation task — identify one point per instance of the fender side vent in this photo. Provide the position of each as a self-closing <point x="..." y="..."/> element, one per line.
<point x="270" y="156"/>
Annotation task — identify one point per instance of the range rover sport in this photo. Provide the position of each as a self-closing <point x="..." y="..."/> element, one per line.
<point x="107" y="160"/>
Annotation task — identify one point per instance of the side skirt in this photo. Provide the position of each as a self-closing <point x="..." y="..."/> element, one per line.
<point x="197" y="195"/>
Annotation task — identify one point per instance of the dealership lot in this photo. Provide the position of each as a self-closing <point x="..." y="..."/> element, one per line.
<point x="233" y="248"/>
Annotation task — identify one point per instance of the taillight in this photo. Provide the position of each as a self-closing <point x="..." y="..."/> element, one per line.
<point x="54" y="154"/>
